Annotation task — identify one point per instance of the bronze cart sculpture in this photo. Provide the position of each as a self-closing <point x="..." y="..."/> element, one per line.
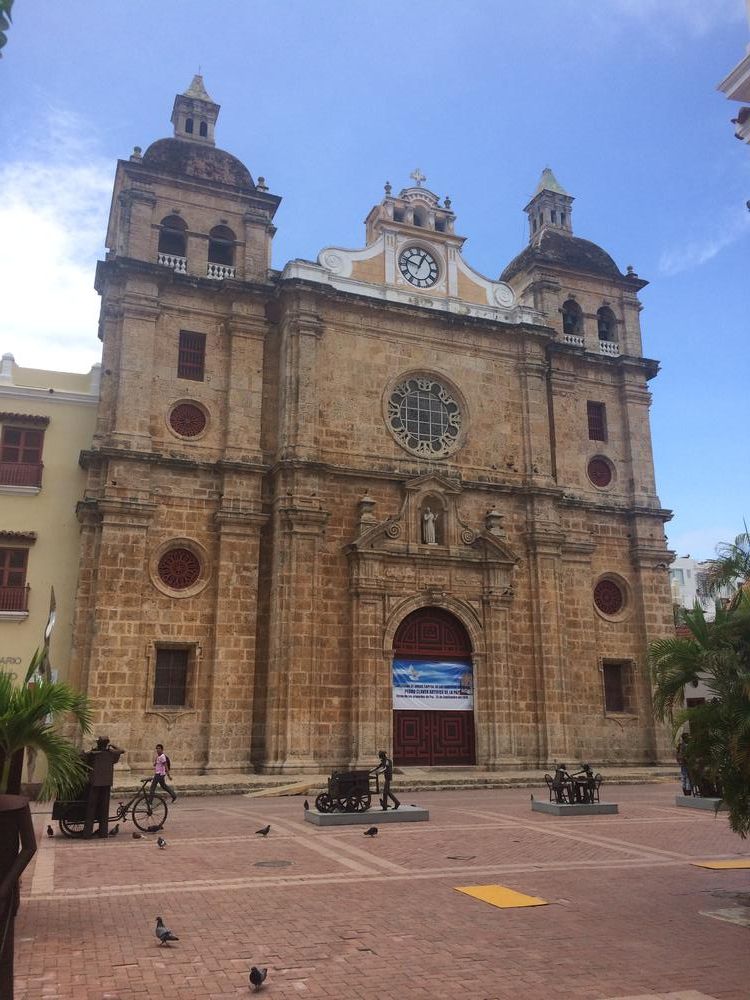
<point x="348" y="791"/>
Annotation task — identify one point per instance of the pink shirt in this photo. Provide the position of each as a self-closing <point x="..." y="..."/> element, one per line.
<point x="160" y="764"/>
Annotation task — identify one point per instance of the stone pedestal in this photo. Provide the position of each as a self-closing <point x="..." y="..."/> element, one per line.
<point x="696" y="802"/>
<point x="576" y="809"/>
<point x="373" y="817"/>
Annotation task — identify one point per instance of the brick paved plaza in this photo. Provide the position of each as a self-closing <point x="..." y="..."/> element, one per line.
<point x="335" y="914"/>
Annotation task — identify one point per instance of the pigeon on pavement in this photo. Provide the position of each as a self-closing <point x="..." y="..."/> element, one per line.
<point x="50" y="831"/>
<point x="257" y="977"/>
<point x="136" y="836"/>
<point x="115" y="830"/>
<point x="371" y="832"/>
<point x="163" y="933"/>
<point x="265" y="831"/>
<point x="161" y="842"/>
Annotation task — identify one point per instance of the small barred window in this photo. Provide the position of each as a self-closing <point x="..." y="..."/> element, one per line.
<point x="600" y="472"/>
<point x="608" y="597"/>
<point x="187" y="420"/>
<point x="179" y="568"/>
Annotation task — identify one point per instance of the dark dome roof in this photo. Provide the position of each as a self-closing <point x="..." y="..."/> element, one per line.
<point x="564" y="250"/>
<point x="193" y="159"/>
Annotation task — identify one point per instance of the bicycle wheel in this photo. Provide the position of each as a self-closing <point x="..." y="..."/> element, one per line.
<point x="71" y="827"/>
<point x="150" y="813"/>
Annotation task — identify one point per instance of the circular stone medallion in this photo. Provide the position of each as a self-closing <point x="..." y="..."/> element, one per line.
<point x="424" y="417"/>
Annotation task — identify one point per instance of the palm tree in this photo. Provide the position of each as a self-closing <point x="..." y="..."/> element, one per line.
<point x="718" y="653"/>
<point x="28" y="712"/>
<point x="730" y="570"/>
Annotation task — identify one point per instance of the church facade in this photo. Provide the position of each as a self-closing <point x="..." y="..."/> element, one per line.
<point x="377" y="500"/>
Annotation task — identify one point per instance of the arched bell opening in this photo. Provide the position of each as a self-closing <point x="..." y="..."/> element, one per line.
<point x="433" y="691"/>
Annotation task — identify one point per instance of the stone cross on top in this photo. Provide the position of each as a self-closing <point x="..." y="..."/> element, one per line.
<point x="418" y="177"/>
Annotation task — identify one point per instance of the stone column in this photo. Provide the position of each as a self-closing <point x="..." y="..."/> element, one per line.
<point x="299" y="523"/>
<point x="233" y="675"/>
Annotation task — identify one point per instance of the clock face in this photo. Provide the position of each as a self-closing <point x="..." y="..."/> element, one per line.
<point x="418" y="267"/>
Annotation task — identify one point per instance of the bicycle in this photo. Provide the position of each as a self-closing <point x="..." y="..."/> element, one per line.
<point x="149" y="812"/>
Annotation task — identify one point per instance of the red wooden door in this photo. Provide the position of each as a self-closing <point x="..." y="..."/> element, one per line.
<point x="433" y="739"/>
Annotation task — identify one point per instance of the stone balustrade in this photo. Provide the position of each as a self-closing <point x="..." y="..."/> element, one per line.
<point x="220" y="271"/>
<point x="178" y="264"/>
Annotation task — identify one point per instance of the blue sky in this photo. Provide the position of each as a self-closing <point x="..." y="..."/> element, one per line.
<point x="328" y="99"/>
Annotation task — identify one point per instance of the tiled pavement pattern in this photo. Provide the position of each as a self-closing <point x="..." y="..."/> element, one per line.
<point x="334" y="914"/>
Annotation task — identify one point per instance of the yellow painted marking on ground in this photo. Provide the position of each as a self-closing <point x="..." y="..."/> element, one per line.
<point x="500" y="895"/>
<point x="731" y="863"/>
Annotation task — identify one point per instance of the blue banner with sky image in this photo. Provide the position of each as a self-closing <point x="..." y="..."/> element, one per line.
<point x="447" y="685"/>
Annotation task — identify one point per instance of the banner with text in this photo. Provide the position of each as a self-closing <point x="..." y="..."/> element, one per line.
<point x="434" y="684"/>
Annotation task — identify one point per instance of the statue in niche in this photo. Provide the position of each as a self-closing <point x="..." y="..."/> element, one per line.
<point x="429" y="522"/>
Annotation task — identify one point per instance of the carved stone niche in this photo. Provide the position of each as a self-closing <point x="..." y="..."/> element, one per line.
<point x="383" y="557"/>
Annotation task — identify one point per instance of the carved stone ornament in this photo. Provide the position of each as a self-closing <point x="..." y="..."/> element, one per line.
<point x="424" y="417"/>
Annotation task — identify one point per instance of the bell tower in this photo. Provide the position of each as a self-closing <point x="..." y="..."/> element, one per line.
<point x="194" y="114"/>
<point x="550" y="207"/>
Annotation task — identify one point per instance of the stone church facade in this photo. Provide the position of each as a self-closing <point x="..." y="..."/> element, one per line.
<point x="304" y="480"/>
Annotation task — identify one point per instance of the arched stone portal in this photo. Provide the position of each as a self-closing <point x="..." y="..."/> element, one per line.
<point x="433" y="691"/>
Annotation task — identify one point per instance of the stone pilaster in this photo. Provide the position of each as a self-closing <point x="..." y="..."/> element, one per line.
<point x="301" y="330"/>
<point x="371" y="676"/>
<point x="132" y="419"/>
<point x="544" y="545"/>
<point x="233" y="676"/>
<point x="293" y="632"/>
<point x="117" y="675"/>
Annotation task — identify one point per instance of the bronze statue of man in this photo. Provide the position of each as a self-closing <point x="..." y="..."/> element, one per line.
<point x="385" y="767"/>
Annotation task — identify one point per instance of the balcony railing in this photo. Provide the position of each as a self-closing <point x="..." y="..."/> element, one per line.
<point x="573" y="338"/>
<point x="220" y="271"/>
<point x="21" y="474"/>
<point x="609" y="347"/>
<point x="14" y="598"/>
<point x="178" y="264"/>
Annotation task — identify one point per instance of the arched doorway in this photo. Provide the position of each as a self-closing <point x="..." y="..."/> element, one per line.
<point x="433" y="691"/>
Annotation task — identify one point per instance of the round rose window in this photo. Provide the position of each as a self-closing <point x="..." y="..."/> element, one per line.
<point x="187" y="420"/>
<point x="424" y="417"/>
<point x="179" y="568"/>
<point x="600" y="472"/>
<point x="608" y="597"/>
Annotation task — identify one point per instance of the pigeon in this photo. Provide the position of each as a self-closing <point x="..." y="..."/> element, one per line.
<point x="115" y="830"/>
<point x="163" y="933"/>
<point x="257" y="977"/>
<point x="161" y="842"/>
<point x="305" y="805"/>
<point x="265" y="831"/>
<point x="136" y="836"/>
<point x="50" y="831"/>
<point x="371" y="832"/>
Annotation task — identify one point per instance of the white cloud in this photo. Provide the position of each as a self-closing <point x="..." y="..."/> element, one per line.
<point x="53" y="216"/>
<point x="693" y="253"/>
